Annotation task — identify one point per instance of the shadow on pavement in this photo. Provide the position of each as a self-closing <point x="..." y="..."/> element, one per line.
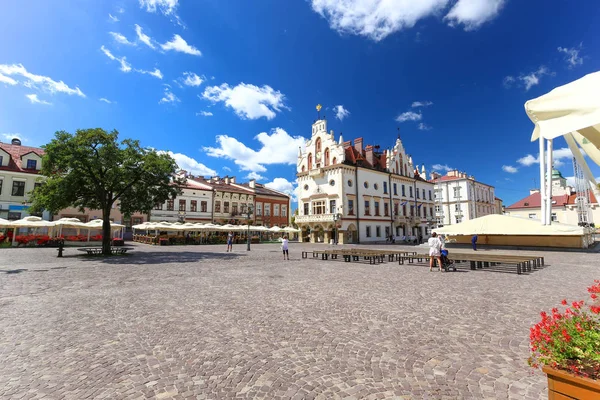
<point x="160" y="257"/>
<point x="12" y="271"/>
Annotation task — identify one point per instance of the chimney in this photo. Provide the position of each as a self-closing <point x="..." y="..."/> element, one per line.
<point x="252" y="183"/>
<point x="227" y="180"/>
<point x="358" y="142"/>
<point x="435" y="175"/>
<point x="369" y="154"/>
<point x="533" y="191"/>
<point x="232" y="179"/>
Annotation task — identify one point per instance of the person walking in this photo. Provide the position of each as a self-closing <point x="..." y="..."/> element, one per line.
<point x="284" y="248"/>
<point x="474" y="242"/>
<point x="435" y="246"/>
<point x="230" y="241"/>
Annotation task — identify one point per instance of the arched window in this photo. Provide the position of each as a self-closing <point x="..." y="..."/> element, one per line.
<point x="318" y="145"/>
<point x="326" y="157"/>
<point x="309" y="161"/>
<point x="397" y="171"/>
<point x="334" y="161"/>
<point x="303" y="168"/>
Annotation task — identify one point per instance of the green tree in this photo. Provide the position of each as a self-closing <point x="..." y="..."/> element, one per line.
<point x="91" y="169"/>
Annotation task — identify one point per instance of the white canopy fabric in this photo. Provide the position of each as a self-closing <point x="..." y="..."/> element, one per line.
<point x="290" y="229"/>
<point x="274" y="229"/>
<point x="258" y="228"/>
<point x="97" y="224"/>
<point x="70" y="223"/>
<point x="568" y="108"/>
<point x="4" y="223"/>
<point x="496" y="224"/>
<point x="31" y="222"/>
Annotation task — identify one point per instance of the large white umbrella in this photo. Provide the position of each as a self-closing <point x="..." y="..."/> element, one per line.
<point x="274" y="229"/>
<point x="290" y="229"/>
<point x="29" y="222"/>
<point x="97" y="224"/>
<point x="258" y="228"/>
<point x="4" y="223"/>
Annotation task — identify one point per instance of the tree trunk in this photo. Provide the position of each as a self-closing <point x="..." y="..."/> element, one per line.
<point x="106" y="232"/>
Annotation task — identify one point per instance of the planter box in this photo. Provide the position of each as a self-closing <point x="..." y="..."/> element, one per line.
<point x="118" y="242"/>
<point x="565" y="386"/>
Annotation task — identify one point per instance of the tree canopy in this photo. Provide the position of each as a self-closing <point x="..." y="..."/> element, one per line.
<point x="91" y="169"/>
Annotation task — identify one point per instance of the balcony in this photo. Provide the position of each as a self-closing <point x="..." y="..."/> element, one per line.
<point x="315" y="173"/>
<point x="314" y="218"/>
<point x="399" y="218"/>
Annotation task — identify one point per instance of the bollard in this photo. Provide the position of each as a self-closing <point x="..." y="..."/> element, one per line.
<point x="61" y="246"/>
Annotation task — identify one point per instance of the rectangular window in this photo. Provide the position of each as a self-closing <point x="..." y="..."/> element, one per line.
<point x="367" y="207"/>
<point x="377" y="208"/>
<point x="368" y="231"/>
<point x="425" y="212"/>
<point x="158" y="206"/>
<point x="259" y="209"/>
<point x="378" y="231"/>
<point x="412" y="211"/>
<point x="226" y="207"/>
<point x="417" y="193"/>
<point x="532" y="216"/>
<point x="403" y="192"/>
<point x="430" y="195"/>
<point x="410" y="191"/>
<point x="306" y="208"/>
<point x="1" y="181"/>
<point x="457" y="207"/>
<point x="554" y="217"/>
<point x="386" y="209"/>
<point x="318" y="207"/>
<point x="193" y="205"/>
<point x="276" y="210"/>
<point x="395" y="190"/>
<point x="234" y="208"/>
<point x="13" y="216"/>
<point x="456" y="192"/>
<point x="431" y="211"/>
<point x="1" y="159"/>
<point x="350" y="207"/>
<point x="268" y="209"/>
<point x="217" y="206"/>
<point x="387" y="231"/>
<point x="332" y="207"/>
<point x="31" y="164"/>
<point x="284" y="211"/>
<point x="181" y="205"/>
<point x="438" y="209"/>
<point x="424" y="195"/>
<point x="170" y="205"/>
<point x="18" y="188"/>
<point x="404" y="210"/>
<point x="384" y="187"/>
<point x="395" y="208"/>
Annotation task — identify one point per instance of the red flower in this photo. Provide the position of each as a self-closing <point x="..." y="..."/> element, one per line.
<point x="564" y="302"/>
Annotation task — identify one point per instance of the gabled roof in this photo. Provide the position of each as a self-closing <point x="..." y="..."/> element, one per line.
<point x="261" y="189"/>
<point x="16" y="152"/>
<point x="534" y="201"/>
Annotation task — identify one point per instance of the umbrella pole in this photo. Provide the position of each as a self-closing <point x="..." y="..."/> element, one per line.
<point x="549" y="183"/>
<point x="542" y="159"/>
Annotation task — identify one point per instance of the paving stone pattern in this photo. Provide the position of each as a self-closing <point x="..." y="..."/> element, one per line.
<point x="197" y="322"/>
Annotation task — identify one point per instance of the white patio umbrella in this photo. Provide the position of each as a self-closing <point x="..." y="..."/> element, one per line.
<point x="29" y="222"/>
<point x="258" y="228"/>
<point x="275" y="229"/>
<point x="97" y="224"/>
<point x="4" y="223"/>
<point x="70" y="223"/>
<point x="290" y="229"/>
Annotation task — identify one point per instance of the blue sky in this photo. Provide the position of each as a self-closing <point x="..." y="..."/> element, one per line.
<point x="230" y="87"/>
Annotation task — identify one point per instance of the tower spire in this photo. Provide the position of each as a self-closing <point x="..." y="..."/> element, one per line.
<point x="319" y="111"/>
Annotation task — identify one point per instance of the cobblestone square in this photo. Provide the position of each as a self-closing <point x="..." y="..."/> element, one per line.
<point x="197" y="322"/>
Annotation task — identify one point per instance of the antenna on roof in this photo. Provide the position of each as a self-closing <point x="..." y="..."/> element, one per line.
<point x="398" y="132"/>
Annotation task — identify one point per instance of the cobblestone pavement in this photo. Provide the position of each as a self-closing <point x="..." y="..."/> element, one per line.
<point x="196" y="322"/>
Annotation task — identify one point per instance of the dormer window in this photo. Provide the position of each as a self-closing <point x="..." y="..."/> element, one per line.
<point x="31" y="164"/>
<point x="526" y="204"/>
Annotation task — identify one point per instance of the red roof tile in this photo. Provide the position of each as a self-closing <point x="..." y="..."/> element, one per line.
<point x="16" y="152"/>
<point x="534" y="201"/>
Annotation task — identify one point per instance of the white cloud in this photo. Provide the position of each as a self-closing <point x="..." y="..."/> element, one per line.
<point x="156" y="73"/>
<point x="440" y="167"/>
<point x="473" y="13"/>
<point x="409" y="116"/>
<point x="169" y="97"/>
<point x="508" y="81"/>
<point x="190" y="165"/>
<point x="10" y="136"/>
<point x="424" y="127"/>
<point x="572" y="55"/>
<point x="107" y="101"/>
<point x="284" y="186"/>
<point x="142" y="37"/>
<point x="254" y="175"/>
<point x="341" y="112"/>
<point x="179" y="44"/>
<point x="248" y="101"/>
<point x="417" y="104"/>
<point x="227" y="169"/>
<point x="204" y="114"/>
<point x="376" y="19"/>
<point x="167" y="7"/>
<point x="125" y="66"/>
<point x="121" y="39"/>
<point x="559" y="156"/>
<point x="113" y="18"/>
<point x="34" y="99"/>
<point x="533" y="78"/>
<point x="510" y="169"/>
<point x="37" y="81"/>
<point x="277" y="148"/>
<point x="191" y="79"/>
<point x="8" y="80"/>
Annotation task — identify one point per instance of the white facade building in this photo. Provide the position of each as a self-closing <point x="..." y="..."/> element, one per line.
<point x="352" y="194"/>
<point x="459" y="197"/>
<point x="195" y="204"/>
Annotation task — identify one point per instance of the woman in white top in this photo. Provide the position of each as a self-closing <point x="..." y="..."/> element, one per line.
<point x="435" y="247"/>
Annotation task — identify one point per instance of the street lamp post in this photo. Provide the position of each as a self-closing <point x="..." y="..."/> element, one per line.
<point x="248" y="214"/>
<point x="337" y="217"/>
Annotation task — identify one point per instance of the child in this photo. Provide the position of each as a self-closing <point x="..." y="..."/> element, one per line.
<point x="284" y="247"/>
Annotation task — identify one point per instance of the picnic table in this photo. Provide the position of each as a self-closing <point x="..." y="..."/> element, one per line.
<point x="523" y="263"/>
<point x="98" y="250"/>
<point x="373" y="255"/>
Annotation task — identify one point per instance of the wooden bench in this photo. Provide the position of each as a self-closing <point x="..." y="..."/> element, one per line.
<point x="523" y="263"/>
<point x="374" y="256"/>
<point x="91" y="251"/>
